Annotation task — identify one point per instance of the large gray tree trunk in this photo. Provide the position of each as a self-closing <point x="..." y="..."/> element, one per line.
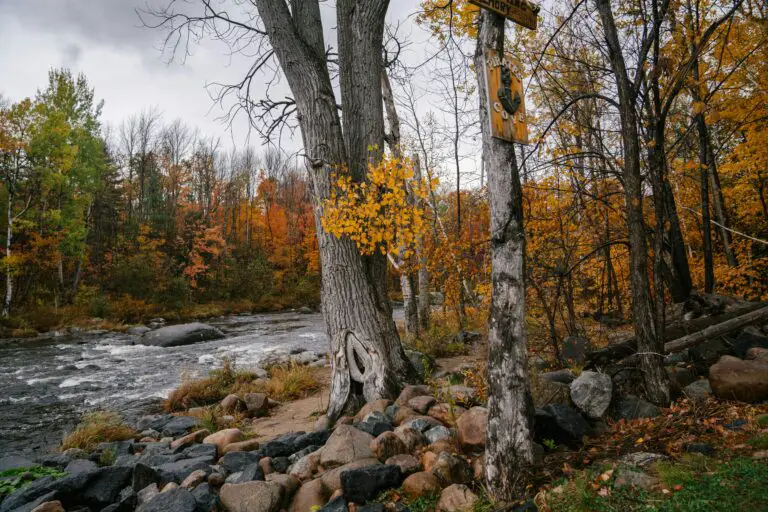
<point x="367" y="357"/>
<point x="509" y="448"/>
<point x="649" y="343"/>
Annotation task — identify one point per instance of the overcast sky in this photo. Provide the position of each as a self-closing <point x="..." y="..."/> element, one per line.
<point x="122" y="60"/>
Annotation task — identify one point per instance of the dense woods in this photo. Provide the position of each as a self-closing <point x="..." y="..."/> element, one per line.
<point x="641" y="197"/>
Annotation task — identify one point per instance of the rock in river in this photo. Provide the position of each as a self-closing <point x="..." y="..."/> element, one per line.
<point x="183" y="334"/>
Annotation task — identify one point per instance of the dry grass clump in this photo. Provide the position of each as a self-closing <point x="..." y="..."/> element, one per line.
<point x="286" y="382"/>
<point x="219" y="383"/>
<point x="97" y="427"/>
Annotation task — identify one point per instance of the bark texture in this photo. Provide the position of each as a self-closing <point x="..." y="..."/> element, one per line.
<point x="368" y="359"/>
<point x="649" y="343"/>
<point x="509" y="449"/>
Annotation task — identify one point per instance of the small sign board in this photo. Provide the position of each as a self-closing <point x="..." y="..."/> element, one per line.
<point x="506" y="104"/>
<point x="521" y="12"/>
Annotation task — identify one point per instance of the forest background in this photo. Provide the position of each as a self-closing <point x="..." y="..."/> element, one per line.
<point x="147" y="218"/>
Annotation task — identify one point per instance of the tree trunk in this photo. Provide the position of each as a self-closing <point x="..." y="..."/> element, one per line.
<point x="8" y="273"/>
<point x="649" y="344"/>
<point x="407" y="276"/>
<point x="423" y="307"/>
<point x="718" y="204"/>
<point x="367" y="357"/>
<point x="509" y="448"/>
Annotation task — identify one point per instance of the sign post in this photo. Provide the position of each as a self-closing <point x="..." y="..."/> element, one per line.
<point x="521" y="12"/>
<point x="505" y="97"/>
<point x="506" y="103"/>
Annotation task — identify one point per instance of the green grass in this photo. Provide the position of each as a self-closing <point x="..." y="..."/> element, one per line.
<point x="759" y="442"/>
<point x="14" y="479"/>
<point x="697" y="484"/>
<point x="762" y="420"/>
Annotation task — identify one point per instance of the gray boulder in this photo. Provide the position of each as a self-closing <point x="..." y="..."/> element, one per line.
<point x="175" y="500"/>
<point x="560" y="423"/>
<point x="591" y="392"/>
<point x="698" y="390"/>
<point x="631" y="407"/>
<point x="183" y="334"/>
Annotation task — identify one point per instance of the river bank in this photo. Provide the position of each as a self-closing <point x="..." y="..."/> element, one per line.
<point x="50" y="381"/>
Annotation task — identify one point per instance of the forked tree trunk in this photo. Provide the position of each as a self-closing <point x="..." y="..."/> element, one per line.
<point x="509" y="445"/>
<point x="367" y="357"/>
<point x="650" y="347"/>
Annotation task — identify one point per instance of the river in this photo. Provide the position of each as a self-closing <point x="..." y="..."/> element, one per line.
<point x="48" y="383"/>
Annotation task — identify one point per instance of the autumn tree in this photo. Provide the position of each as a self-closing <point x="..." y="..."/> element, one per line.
<point x="368" y="360"/>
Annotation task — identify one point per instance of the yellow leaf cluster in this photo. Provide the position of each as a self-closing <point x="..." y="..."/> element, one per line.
<point x="383" y="212"/>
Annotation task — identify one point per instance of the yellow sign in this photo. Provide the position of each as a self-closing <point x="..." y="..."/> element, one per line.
<point x="506" y="104"/>
<point x="521" y="12"/>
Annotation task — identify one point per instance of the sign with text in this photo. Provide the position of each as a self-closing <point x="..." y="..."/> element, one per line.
<point x="506" y="104"/>
<point x="521" y="12"/>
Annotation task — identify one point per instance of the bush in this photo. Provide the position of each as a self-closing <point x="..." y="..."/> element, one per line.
<point x="289" y="382"/>
<point x="97" y="427"/>
<point x="14" y="479"/>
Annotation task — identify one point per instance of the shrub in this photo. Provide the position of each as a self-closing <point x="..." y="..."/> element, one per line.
<point x="97" y="427"/>
<point x="14" y="479"/>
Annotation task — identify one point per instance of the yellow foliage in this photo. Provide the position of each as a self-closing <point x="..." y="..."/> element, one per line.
<point x="380" y="214"/>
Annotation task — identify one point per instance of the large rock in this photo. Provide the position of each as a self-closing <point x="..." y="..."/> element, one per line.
<point x="631" y="407"/>
<point x="176" y="500"/>
<point x="225" y="437"/>
<point x="410" y="392"/>
<point x="178" y="471"/>
<point x="735" y="379"/>
<point x="50" y="506"/>
<point x="310" y="496"/>
<point x="332" y="479"/>
<point x="698" y="391"/>
<point x="451" y="469"/>
<point x="472" y="427"/>
<point x="408" y="464"/>
<point x="748" y="339"/>
<point x="305" y="467"/>
<point x="190" y="439"/>
<point x="387" y="445"/>
<point x="412" y="438"/>
<point x="257" y="404"/>
<point x="183" y="334"/>
<point x="421" y="484"/>
<point x="237" y="461"/>
<point x="346" y="444"/>
<point x="361" y="485"/>
<point x="14" y="462"/>
<point x="232" y="404"/>
<point x="249" y="445"/>
<point x="446" y="413"/>
<point x="591" y="392"/>
<point x="179" y="425"/>
<point x="104" y="487"/>
<point x="421" y="404"/>
<point x="456" y="498"/>
<point x="374" y="406"/>
<point x="560" y="423"/>
<point x="251" y="497"/>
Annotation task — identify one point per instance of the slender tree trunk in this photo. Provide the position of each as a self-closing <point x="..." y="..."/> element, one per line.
<point x="8" y="270"/>
<point x="650" y="346"/>
<point x="423" y="273"/>
<point x="718" y="204"/>
<point x="509" y="447"/>
<point x="407" y="276"/>
<point x="367" y="357"/>
<point x="701" y="129"/>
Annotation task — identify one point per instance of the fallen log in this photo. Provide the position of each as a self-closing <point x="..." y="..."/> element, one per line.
<point x="716" y="330"/>
<point x="672" y="333"/>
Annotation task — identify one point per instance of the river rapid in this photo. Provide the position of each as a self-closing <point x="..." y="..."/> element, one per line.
<point x="47" y="383"/>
